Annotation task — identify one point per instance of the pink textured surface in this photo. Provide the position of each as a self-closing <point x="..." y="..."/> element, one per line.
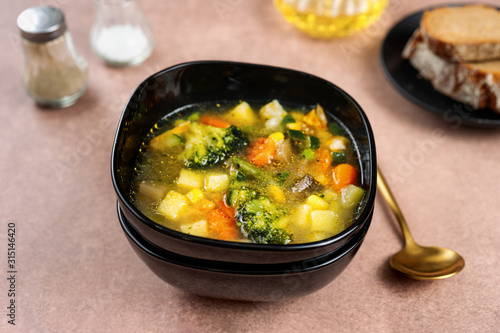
<point x="76" y="271"/>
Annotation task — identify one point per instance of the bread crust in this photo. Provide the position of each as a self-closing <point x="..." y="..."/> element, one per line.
<point x="462" y="52"/>
<point x="466" y="50"/>
<point x="468" y="83"/>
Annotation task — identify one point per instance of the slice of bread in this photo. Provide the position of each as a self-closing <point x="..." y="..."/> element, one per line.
<point x="476" y="84"/>
<point x="465" y="33"/>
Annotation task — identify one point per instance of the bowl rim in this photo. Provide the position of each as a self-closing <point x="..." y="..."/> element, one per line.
<point x="365" y="213"/>
<point x="223" y="267"/>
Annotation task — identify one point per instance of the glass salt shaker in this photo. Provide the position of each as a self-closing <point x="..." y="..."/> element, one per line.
<point x="121" y="35"/>
<point x="54" y="74"/>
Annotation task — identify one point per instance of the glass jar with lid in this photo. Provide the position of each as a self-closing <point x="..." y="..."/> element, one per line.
<point x="54" y="74"/>
<point x="121" y="35"/>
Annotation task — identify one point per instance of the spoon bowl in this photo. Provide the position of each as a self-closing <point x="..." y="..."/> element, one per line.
<point x="415" y="261"/>
<point x="439" y="263"/>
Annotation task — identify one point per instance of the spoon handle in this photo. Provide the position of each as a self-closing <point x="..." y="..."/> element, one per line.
<point x="391" y="201"/>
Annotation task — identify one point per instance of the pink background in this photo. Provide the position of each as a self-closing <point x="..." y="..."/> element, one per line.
<point x="76" y="271"/>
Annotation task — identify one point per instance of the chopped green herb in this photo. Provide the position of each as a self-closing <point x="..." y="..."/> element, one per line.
<point x="288" y="119"/>
<point x="335" y="128"/>
<point x="314" y="142"/>
<point x="338" y="157"/>
<point x="298" y="135"/>
<point x="308" y="154"/>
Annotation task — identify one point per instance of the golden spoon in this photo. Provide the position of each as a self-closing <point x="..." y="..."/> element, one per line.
<point x="415" y="261"/>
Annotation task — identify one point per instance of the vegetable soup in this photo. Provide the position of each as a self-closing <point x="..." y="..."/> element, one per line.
<point x="246" y="172"/>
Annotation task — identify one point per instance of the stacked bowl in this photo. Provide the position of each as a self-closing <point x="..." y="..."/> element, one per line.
<point x="235" y="270"/>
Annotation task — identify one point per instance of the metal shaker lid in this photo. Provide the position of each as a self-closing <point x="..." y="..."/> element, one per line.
<point x="41" y="24"/>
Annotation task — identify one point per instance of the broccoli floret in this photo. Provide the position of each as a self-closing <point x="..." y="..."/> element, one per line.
<point x="259" y="219"/>
<point x="237" y="197"/>
<point x="207" y="146"/>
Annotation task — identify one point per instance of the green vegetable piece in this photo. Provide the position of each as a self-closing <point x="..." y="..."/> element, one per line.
<point x="251" y="170"/>
<point x="240" y="177"/>
<point x="314" y="142"/>
<point x="282" y="176"/>
<point x="288" y="119"/>
<point x="206" y="146"/>
<point x="351" y="196"/>
<point x="238" y="196"/>
<point x="338" y="157"/>
<point x="308" y="154"/>
<point x="259" y="220"/>
<point x="194" y="117"/>
<point x="335" y="128"/>
<point x="298" y="135"/>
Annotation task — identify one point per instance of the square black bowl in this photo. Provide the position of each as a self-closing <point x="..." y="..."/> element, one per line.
<point x="166" y="92"/>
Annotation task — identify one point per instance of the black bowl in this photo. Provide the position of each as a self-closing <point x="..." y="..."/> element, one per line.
<point x="243" y="282"/>
<point x="165" y="93"/>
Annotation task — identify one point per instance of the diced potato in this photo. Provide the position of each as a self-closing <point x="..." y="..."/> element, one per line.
<point x="330" y="195"/>
<point x="190" y="179"/>
<point x="316" y="202"/>
<point x="195" y="195"/>
<point x="217" y="183"/>
<point x="273" y="113"/>
<point x="152" y="189"/>
<point x="199" y="201"/>
<point x="337" y="143"/>
<point x="242" y="114"/>
<point x="283" y="152"/>
<point x="199" y="228"/>
<point x="172" y="204"/>
<point x="335" y="205"/>
<point x="325" y="221"/>
<point x="169" y="139"/>
<point x="302" y="216"/>
<point x="277" y="194"/>
<point x="351" y="196"/>
<point x="272" y="109"/>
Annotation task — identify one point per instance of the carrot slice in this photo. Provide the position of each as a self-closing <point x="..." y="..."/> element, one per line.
<point x="262" y="151"/>
<point x="222" y="224"/>
<point x="214" y="121"/>
<point x="230" y="211"/>
<point x="343" y="175"/>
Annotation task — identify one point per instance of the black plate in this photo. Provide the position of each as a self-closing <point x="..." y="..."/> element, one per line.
<point x="406" y="79"/>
